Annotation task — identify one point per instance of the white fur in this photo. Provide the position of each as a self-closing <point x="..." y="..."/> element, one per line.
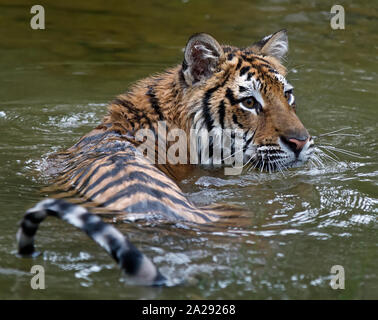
<point x="266" y="38"/>
<point x="277" y="46"/>
<point x="74" y="217"/>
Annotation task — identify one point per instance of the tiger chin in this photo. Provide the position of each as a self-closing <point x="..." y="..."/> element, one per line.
<point x="215" y="89"/>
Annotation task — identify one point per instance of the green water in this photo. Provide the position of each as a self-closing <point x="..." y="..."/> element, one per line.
<point x="54" y="87"/>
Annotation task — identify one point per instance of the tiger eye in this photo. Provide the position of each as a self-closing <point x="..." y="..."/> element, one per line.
<point x="288" y="94"/>
<point x="249" y="103"/>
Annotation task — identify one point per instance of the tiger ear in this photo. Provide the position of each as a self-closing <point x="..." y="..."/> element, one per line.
<point x="275" y="45"/>
<point x="201" y="59"/>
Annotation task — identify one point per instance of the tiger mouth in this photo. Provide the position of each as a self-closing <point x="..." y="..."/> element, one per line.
<point x="274" y="163"/>
<point x="271" y="158"/>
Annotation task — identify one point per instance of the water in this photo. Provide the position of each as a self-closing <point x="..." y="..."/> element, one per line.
<point x="54" y="87"/>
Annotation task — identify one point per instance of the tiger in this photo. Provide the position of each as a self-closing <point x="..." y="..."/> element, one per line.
<point x="215" y="88"/>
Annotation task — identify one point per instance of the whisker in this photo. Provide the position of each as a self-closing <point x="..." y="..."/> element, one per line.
<point x="312" y="163"/>
<point x="328" y="133"/>
<point x="255" y="165"/>
<point x="243" y="149"/>
<point x="269" y="165"/>
<point x="244" y="165"/>
<point x="319" y="151"/>
<point x="316" y="159"/>
<point x="263" y="164"/>
<point x="249" y="160"/>
<point x="232" y="154"/>
<point x="326" y="143"/>
<point x="347" y="152"/>
<point x="344" y="134"/>
<point x="327" y="156"/>
<point x="278" y="165"/>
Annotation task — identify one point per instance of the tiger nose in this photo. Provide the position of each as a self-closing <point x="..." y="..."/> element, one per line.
<point x="296" y="144"/>
<point x="299" y="144"/>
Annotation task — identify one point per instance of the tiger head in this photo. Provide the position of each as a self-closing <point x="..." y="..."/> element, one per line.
<point x="234" y="88"/>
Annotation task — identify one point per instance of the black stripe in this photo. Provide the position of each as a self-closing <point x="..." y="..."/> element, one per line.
<point x="142" y="188"/>
<point x="232" y="141"/>
<point x="131" y="259"/>
<point x="230" y="96"/>
<point x="154" y="102"/>
<point x="242" y="89"/>
<point x="235" y="120"/>
<point x="246" y="143"/>
<point x="205" y="105"/>
<point x="63" y="208"/>
<point x="206" y="110"/>
<point x="139" y="115"/>
<point x="118" y="167"/>
<point x="184" y="65"/>
<point x="90" y="139"/>
<point x="251" y="59"/>
<point x="221" y="112"/>
<point x="250" y="75"/>
<point x="273" y="71"/>
<point x="240" y="61"/>
<point x="71" y="175"/>
<point x="114" y="246"/>
<point x="29" y="230"/>
<point x="250" y="139"/>
<point x="248" y="59"/>
<point x="92" y="226"/>
<point x="89" y="178"/>
<point x="211" y="149"/>
<point x="136" y="176"/>
<point x="26" y="250"/>
<point x="124" y="103"/>
<point x="262" y="59"/>
<point x="81" y="176"/>
<point x="244" y="70"/>
<point x="259" y="66"/>
<point x="272" y="156"/>
<point x="33" y="219"/>
<point x="78" y="173"/>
